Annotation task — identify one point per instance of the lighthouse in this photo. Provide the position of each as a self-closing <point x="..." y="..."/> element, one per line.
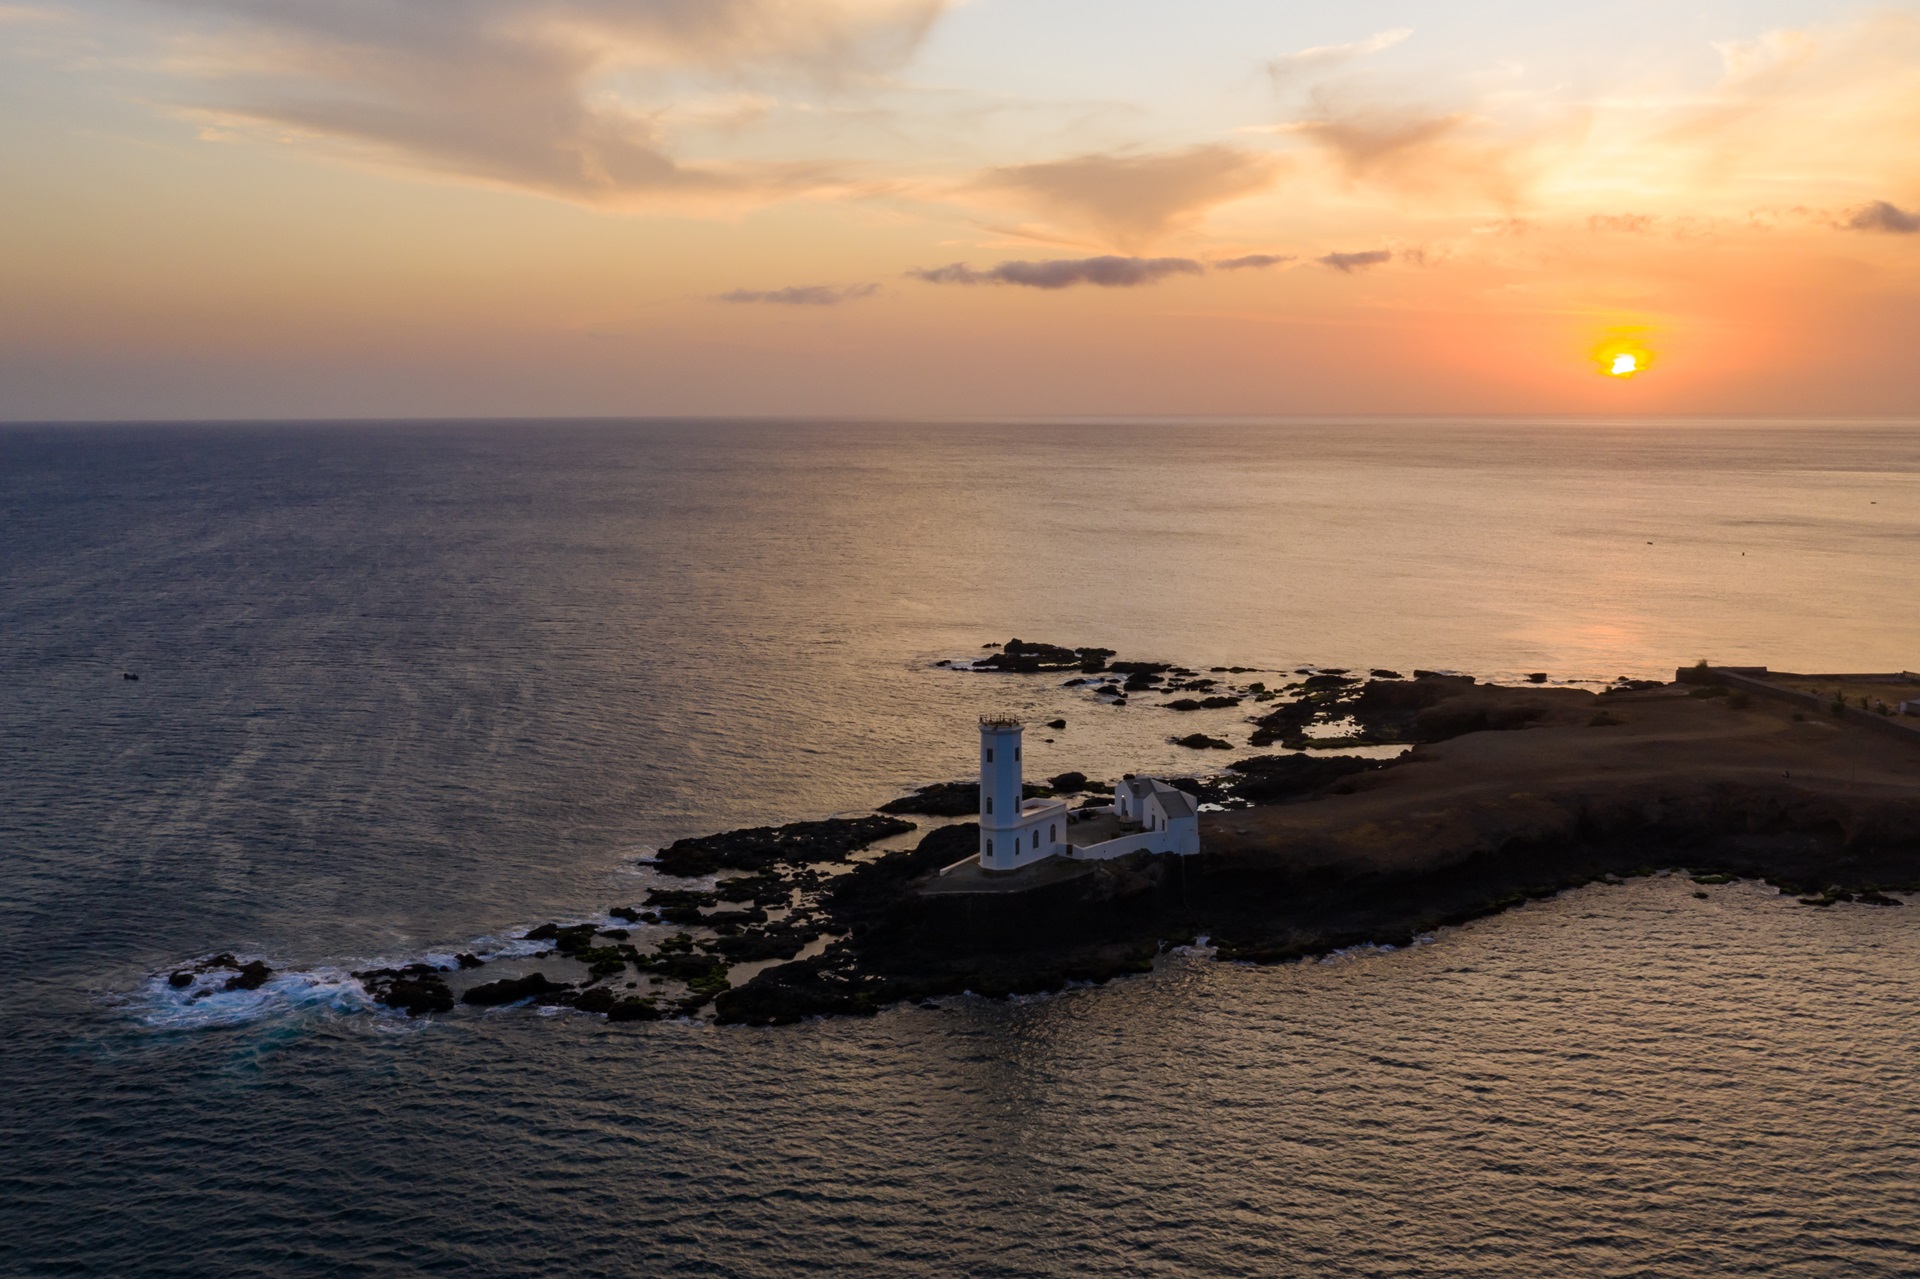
<point x="1014" y="830"/>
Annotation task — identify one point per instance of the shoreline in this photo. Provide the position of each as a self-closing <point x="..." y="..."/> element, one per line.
<point x="1546" y="789"/>
<point x="1500" y="795"/>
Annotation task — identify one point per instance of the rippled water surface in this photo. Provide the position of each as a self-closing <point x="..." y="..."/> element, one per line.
<point x="407" y="689"/>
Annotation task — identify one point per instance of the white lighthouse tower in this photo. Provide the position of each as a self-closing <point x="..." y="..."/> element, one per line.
<point x="1013" y="829"/>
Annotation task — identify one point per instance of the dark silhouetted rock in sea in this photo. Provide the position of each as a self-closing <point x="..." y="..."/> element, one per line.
<point x="511" y="990"/>
<point x="598" y="1000"/>
<point x="417" y="989"/>
<point x="418" y="996"/>
<point x="942" y="799"/>
<point x="763" y="847"/>
<point x="1020" y="657"/>
<point x="1201" y="742"/>
<point x="251" y="976"/>
<point x="1067" y="783"/>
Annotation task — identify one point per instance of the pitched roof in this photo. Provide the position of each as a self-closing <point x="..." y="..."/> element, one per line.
<point x="1174" y="802"/>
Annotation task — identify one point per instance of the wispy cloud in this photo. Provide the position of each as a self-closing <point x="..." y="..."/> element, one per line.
<point x="1060" y="273"/>
<point x="1252" y="261"/>
<point x="1132" y="200"/>
<point x="1351" y="262"/>
<point x="1621" y="223"/>
<point x="1885" y="217"/>
<point x="1408" y="151"/>
<point x="802" y="294"/>
<point x="1323" y="56"/>
<point x="554" y="96"/>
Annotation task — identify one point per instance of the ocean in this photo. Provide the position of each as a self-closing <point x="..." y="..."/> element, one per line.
<point x="406" y="689"/>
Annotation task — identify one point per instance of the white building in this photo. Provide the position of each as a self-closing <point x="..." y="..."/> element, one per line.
<point x="1147" y="815"/>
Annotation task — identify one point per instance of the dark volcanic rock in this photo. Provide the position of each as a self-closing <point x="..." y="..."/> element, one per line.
<point x="1280" y="779"/>
<point x="575" y="937"/>
<point x="762" y="847"/>
<point x="251" y="976"/>
<point x="512" y="990"/>
<point x="1067" y="783"/>
<point x="418" y="996"/>
<point x="949" y="799"/>
<point x="598" y="1000"/>
<point x="1024" y="658"/>
<point x="1390" y="710"/>
<point x="942" y="799"/>
<point x="634" y="1008"/>
<point x="417" y="989"/>
<point x="469" y="961"/>
<point x="674" y="898"/>
<point x="778" y="942"/>
<point x="1201" y="742"/>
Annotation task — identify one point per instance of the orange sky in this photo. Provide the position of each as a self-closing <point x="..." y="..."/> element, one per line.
<point x="915" y="207"/>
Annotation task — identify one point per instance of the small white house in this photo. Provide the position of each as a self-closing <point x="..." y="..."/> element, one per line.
<point x="1147" y="815"/>
<point x="1910" y="707"/>
<point x="1159" y="807"/>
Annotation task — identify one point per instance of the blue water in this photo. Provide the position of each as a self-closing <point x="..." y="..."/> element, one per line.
<point x="404" y="689"/>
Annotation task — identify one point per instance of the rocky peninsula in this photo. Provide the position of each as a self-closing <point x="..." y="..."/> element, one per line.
<point x="1508" y="794"/>
<point x="1499" y="795"/>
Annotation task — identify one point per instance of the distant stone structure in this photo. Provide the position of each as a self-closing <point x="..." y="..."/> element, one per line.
<point x="1146" y="816"/>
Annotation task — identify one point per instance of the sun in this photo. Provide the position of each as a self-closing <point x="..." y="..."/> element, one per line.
<point x="1622" y="356"/>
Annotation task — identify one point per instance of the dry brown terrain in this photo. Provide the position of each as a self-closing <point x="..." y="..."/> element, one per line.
<point x="1476" y="792"/>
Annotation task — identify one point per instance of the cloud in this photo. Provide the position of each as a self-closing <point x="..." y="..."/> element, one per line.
<point x="1621" y="223"/>
<point x="1414" y="152"/>
<point x="554" y="96"/>
<point x="1132" y="200"/>
<point x="1252" y="260"/>
<point x="1330" y="55"/>
<point x="1060" y="273"/>
<point x="1882" y="216"/>
<point x="802" y="294"/>
<point x="1351" y="262"/>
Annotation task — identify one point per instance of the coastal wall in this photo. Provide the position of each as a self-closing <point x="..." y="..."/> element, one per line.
<point x="1144" y="842"/>
<point x="1752" y="679"/>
